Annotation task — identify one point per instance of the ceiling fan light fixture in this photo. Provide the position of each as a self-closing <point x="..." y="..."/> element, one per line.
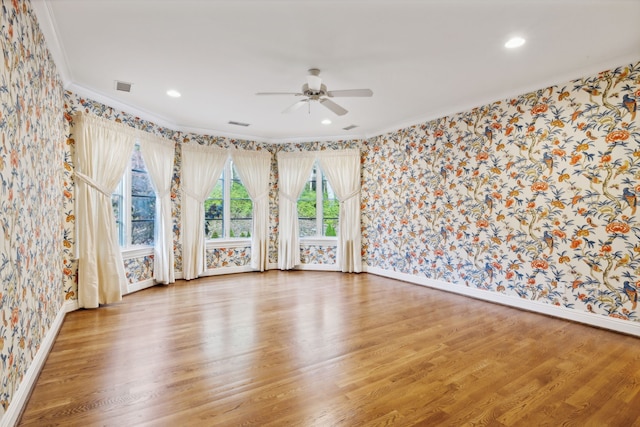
<point x="314" y="82"/>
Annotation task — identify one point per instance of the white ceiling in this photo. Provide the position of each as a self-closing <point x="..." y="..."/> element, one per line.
<point x="422" y="59"/>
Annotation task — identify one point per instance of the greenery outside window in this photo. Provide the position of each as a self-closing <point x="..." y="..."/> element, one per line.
<point x="134" y="205"/>
<point x="228" y="211"/>
<point x="318" y="207"/>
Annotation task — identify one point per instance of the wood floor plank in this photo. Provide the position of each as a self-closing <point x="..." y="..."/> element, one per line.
<point x="329" y="349"/>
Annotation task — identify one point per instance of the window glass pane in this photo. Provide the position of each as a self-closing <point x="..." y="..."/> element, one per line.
<point x="330" y="210"/>
<point x="141" y="184"/>
<point x="213" y="212"/>
<point x="137" y="163"/>
<point x="143" y="208"/>
<point x="143" y="202"/>
<point x="307" y="211"/>
<point x="142" y="232"/>
<point x="241" y="207"/>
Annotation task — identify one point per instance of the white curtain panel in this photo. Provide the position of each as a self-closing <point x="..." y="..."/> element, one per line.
<point x="253" y="168"/>
<point x="342" y="169"/>
<point x="158" y="154"/>
<point x="102" y="152"/>
<point x="201" y="168"/>
<point x="293" y="171"/>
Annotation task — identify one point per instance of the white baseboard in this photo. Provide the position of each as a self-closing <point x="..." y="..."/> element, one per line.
<point x="21" y="396"/>
<point x="227" y="270"/>
<point x="138" y="286"/>
<point x="618" y="325"/>
<point x="309" y="267"/>
<point x="317" y="267"/>
<point x="71" y="305"/>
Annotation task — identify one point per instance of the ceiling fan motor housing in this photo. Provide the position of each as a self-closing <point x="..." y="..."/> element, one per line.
<point x="314" y="94"/>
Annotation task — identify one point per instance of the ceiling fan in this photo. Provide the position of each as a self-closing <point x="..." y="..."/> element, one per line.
<point x="315" y="90"/>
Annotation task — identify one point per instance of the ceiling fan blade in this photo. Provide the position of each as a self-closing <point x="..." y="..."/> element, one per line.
<point x="333" y="106"/>
<point x="350" y="92"/>
<point x="279" y="93"/>
<point x="295" y="106"/>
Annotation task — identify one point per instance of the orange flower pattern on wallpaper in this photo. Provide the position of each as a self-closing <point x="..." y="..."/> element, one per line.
<point x="31" y="161"/>
<point x="534" y="197"/>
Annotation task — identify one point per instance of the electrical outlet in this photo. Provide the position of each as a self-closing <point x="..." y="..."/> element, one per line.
<point x="560" y="287"/>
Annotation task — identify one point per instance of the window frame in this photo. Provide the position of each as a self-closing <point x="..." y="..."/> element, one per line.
<point x="227" y="182"/>
<point x="318" y="239"/>
<point x="126" y="218"/>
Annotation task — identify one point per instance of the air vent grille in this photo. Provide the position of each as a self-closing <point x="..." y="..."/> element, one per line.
<point x="350" y="127"/>
<point x="123" y="86"/>
<point x="238" y="123"/>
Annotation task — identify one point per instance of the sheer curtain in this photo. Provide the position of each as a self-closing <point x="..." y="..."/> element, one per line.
<point x="158" y="154"/>
<point x="253" y="168"/>
<point x="342" y="169"/>
<point x="293" y="171"/>
<point x="201" y="168"/>
<point x="102" y="152"/>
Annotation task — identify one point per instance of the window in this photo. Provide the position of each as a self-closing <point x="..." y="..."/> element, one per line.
<point x="228" y="211"/>
<point x="135" y="195"/>
<point x="318" y="207"/>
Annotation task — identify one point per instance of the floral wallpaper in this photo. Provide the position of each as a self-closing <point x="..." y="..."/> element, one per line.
<point x="534" y="196"/>
<point x="138" y="269"/>
<point x="31" y="192"/>
<point x="228" y="257"/>
<point x="317" y="254"/>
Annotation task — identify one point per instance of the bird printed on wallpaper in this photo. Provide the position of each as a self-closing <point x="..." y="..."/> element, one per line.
<point x="592" y="265"/>
<point x="632" y="293"/>
<point x="489" y="134"/>
<point x="443" y="233"/>
<point x="623" y="261"/>
<point x="630" y="104"/>
<point x="488" y="200"/>
<point x="623" y="168"/>
<point x="630" y="197"/>
<point x="623" y="75"/>
<point x="548" y="160"/>
<point x="592" y="91"/>
<point x="443" y="173"/>
<point x="489" y="270"/>
<point x="548" y="240"/>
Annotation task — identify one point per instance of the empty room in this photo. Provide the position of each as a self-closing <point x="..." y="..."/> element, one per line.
<point x="319" y="213"/>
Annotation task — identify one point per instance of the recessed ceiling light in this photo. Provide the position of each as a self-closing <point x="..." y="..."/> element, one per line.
<point x="174" y="93"/>
<point x="326" y="122"/>
<point x="514" y="42"/>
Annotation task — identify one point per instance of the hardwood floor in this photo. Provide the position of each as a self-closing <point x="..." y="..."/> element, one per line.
<point x="329" y="349"/>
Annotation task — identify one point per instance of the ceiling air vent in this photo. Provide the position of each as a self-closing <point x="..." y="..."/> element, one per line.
<point x="123" y="86"/>
<point x="350" y="127"/>
<point x="238" y="123"/>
